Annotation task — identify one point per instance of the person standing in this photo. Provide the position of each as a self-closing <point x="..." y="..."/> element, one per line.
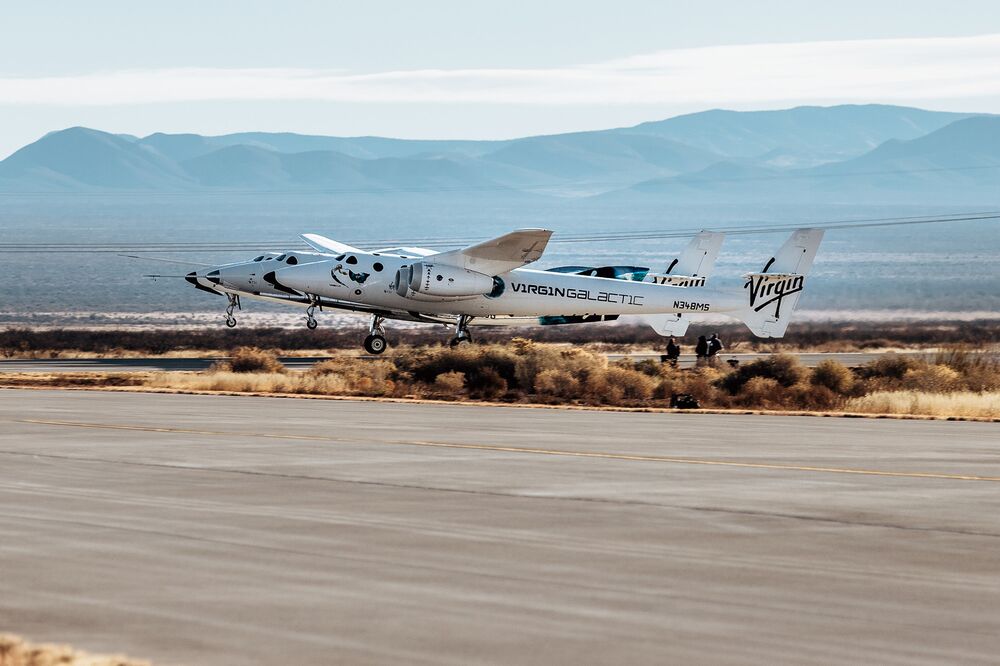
<point x="714" y="347"/>
<point x="673" y="352"/>
<point x="701" y="350"/>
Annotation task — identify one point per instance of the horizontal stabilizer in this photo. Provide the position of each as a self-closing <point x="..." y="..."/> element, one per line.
<point x="668" y="324"/>
<point x="498" y="255"/>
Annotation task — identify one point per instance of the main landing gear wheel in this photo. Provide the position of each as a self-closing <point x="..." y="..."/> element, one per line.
<point x="375" y="344"/>
<point x="231" y="322"/>
<point x="461" y="331"/>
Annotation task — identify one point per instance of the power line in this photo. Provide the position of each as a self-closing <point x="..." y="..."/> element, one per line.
<point x="431" y="243"/>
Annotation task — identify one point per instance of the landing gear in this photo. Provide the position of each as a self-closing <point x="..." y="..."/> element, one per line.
<point x="375" y="342"/>
<point x="234" y="303"/>
<point x="311" y="322"/>
<point x="461" y="331"/>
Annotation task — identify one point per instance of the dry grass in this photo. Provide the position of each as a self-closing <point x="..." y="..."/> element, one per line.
<point x="16" y="652"/>
<point x="958" y="403"/>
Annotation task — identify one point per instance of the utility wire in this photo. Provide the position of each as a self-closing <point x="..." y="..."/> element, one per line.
<point x="429" y="242"/>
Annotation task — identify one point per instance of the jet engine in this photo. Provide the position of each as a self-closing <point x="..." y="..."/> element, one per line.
<point x="442" y="281"/>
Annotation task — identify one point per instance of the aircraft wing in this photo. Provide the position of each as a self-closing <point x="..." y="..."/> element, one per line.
<point x="324" y="244"/>
<point x="498" y="255"/>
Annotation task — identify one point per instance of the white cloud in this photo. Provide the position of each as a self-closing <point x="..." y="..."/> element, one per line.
<point x="844" y="71"/>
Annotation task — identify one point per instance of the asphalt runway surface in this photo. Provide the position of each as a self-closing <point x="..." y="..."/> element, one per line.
<point x="240" y="530"/>
<point x="304" y="362"/>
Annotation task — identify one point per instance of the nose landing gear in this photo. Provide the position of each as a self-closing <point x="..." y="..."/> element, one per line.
<point x="234" y="303"/>
<point x="375" y="343"/>
<point x="311" y="322"/>
<point x="461" y="331"/>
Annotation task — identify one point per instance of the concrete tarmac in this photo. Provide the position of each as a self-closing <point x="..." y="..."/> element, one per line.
<point x="239" y="530"/>
<point x="154" y="363"/>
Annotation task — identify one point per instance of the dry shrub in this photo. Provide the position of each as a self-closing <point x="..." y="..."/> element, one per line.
<point x="931" y="379"/>
<point x="889" y="367"/>
<point x="959" y="403"/>
<point x="834" y="376"/>
<point x="782" y="368"/>
<point x="486" y="384"/>
<point x="449" y="383"/>
<point x="250" y="359"/>
<point x="355" y="376"/>
<point x="631" y="384"/>
<point x="533" y="359"/>
<point x="702" y="384"/>
<point x="556" y="383"/>
<point x="16" y="652"/>
<point x="760" y="392"/>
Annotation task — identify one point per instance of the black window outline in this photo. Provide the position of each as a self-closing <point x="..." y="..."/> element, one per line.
<point x="377" y="267"/>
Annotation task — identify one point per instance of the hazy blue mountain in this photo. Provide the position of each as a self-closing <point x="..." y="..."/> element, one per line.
<point x="883" y="152"/>
<point x="79" y="158"/>
<point x="600" y="156"/>
<point x="179" y="147"/>
<point x="960" y="161"/>
<point x="365" y="147"/>
<point x="251" y="167"/>
<point x="801" y="135"/>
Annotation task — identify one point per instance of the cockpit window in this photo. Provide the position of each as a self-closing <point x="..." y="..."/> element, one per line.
<point x="291" y="261"/>
<point x="352" y="260"/>
<point x="339" y="257"/>
<point x="281" y="257"/>
<point x="260" y="258"/>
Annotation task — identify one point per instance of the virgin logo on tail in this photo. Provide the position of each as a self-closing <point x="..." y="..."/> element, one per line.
<point x="766" y="289"/>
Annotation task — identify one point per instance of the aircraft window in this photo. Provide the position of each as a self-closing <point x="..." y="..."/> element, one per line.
<point x="291" y="261"/>
<point x="440" y="277"/>
<point x="377" y="267"/>
<point x="268" y="258"/>
<point x="281" y="257"/>
<point x="339" y="257"/>
<point x="352" y="260"/>
<point x="260" y="258"/>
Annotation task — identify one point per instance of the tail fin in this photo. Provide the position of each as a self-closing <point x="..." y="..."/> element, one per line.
<point x="773" y="293"/>
<point x="691" y="269"/>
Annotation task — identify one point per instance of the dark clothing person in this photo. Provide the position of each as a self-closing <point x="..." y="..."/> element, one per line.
<point x="673" y="352"/>
<point x="701" y="349"/>
<point x="714" y="345"/>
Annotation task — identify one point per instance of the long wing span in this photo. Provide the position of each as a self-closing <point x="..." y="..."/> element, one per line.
<point x="324" y="244"/>
<point x="499" y="255"/>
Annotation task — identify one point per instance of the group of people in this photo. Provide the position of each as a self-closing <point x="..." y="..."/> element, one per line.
<point x="705" y="351"/>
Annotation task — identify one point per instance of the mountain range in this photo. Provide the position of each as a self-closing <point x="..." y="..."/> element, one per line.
<point x="844" y="153"/>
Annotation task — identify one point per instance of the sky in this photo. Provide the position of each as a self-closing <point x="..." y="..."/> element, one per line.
<point x="480" y="70"/>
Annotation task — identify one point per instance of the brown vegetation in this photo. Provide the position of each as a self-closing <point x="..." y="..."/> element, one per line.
<point x="16" y="652"/>
<point x="24" y="342"/>
<point x="526" y="371"/>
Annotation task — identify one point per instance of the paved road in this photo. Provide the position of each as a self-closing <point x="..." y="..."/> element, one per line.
<point x="304" y="362"/>
<point x="225" y="530"/>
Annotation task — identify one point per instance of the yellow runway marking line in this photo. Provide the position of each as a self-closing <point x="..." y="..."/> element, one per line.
<point x="531" y="451"/>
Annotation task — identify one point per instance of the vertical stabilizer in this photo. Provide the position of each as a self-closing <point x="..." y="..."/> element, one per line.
<point x="773" y="294"/>
<point x="691" y="269"/>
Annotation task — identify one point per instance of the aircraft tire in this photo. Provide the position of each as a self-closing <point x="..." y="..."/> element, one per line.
<point x="375" y="344"/>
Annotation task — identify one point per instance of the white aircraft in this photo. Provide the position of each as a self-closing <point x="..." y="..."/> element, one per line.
<point x="487" y="284"/>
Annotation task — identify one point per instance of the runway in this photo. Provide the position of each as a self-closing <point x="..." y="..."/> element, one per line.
<point x="154" y="363"/>
<point x="237" y="530"/>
